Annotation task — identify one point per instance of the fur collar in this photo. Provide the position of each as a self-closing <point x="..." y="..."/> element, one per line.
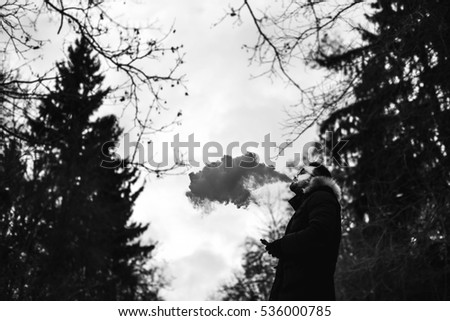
<point x="320" y="181"/>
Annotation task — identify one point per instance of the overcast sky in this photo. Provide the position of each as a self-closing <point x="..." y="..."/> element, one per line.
<point x="225" y="104"/>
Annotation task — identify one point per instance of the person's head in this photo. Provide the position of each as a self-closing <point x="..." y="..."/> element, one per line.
<point x="305" y="174"/>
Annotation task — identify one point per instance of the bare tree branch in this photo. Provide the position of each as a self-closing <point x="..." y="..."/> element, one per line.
<point x="128" y="51"/>
<point x="290" y="35"/>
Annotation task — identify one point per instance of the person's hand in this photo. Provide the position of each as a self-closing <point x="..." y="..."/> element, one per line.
<point x="273" y="248"/>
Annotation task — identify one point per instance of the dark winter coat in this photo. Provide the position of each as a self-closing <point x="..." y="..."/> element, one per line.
<point x="310" y="246"/>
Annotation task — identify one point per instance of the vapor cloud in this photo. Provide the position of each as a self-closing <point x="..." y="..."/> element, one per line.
<point x="231" y="180"/>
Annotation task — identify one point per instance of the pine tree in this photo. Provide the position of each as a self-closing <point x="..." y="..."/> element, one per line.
<point x="90" y="249"/>
<point x="14" y="228"/>
<point x="397" y="186"/>
<point x="19" y="248"/>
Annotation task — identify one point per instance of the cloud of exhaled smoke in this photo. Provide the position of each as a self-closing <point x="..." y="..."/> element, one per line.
<point x="231" y="180"/>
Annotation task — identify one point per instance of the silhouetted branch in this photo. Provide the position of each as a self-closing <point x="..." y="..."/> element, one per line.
<point x="126" y="50"/>
<point x="292" y="35"/>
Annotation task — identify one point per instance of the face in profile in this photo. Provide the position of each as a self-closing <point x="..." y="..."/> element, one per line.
<point x="302" y="179"/>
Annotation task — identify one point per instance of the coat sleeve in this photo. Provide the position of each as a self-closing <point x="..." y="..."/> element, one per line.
<point x="324" y="220"/>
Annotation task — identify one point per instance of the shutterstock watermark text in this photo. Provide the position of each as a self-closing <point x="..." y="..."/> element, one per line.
<point x="327" y="153"/>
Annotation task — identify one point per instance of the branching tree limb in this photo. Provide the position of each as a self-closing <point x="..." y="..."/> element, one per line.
<point x="292" y="34"/>
<point x="144" y="62"/>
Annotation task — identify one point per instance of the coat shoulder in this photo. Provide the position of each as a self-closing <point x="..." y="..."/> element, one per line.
<point x="321" y="183"/>
<point x="321" y="196"/>
<point x="324" y="200"/>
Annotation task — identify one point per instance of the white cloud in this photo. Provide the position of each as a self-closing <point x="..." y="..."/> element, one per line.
<point x="197" y="274"/>
<point x="224" y="105"/>
<point x="185" y="235"/>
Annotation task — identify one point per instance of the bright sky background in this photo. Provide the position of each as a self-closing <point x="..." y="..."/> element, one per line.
<point x="225" y="104"/>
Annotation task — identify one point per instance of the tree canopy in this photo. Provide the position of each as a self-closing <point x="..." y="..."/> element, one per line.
<point x="388" y="61"/>
<point x="66" y="225"/>
<point x="138" y="55"/>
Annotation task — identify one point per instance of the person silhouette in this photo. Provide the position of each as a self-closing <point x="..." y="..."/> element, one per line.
<point x="309" y="249"/>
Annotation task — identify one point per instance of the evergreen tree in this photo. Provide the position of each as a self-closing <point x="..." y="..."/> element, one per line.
<point x="397" y="184"/>
<point x="14" y="229"/>
<point x="90" y="249"/>
<point x="19" y="248"/>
